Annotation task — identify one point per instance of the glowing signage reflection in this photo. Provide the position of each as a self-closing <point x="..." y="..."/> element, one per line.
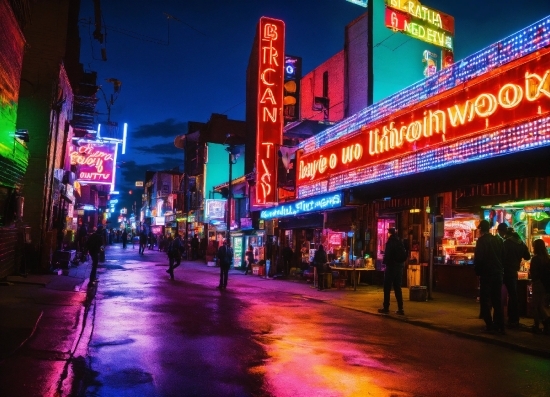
<point x="271" y="64"/>
<point x="319" y="203"/>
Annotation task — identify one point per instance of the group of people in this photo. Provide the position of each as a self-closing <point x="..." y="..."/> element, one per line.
<point x="497" y="260"/>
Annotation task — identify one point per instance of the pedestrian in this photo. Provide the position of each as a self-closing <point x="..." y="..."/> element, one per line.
<point x="540" y="284"/>
<point x="249" y="256"/>
<point x="320" y="260"/>
<point x="95" y="245"/>
<point x="515" y="251"/>
<point x="225" y="257"/>
<point x="174" y="254"/>
<point x="82" y="238"/>
<point x="287" y="258"/>
<point x="124" y="238"/>
<point x="395" y="256"/>
<point x="488" y="259"/>
<point x="194" y="247"/>
<point x="142" y="240"/>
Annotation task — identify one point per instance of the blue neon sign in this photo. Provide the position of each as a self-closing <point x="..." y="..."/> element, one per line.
<point x="318" y="203"/>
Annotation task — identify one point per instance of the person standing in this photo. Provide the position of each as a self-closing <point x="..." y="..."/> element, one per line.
<point x="488" y="259"/>
<point x="320" y="260"/>
<point x="225" y="256"/>
<point x="395" y="256"/>
<point x="249" y="255"/>
<point x="95" y="244"/>
<point x="540" y="279"/>
<point x="174" y="254"/>
<point x="514" y="251"/>
<point x="142" y="240"/>
<point x="287" y="258"/>
<point x="194" y="247"/>
<point x="124" y="238"/>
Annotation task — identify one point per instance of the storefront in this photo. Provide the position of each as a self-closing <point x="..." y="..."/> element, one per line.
<point x="435" y="158"/>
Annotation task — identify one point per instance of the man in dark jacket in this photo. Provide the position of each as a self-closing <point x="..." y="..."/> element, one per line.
<point x="142" y="240"/>
<point x="488" y="258"/>
<point x="320" y="262"/>
<point x="395" y="256"/>
<point x="225" y="257"/>
<point x="514" y="251"/>
<point x="95" y="243"/>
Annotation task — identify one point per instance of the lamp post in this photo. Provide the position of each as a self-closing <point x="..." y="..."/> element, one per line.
<point x="233" y="155"/>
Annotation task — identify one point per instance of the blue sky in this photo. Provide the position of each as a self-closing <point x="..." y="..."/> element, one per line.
<point x="182" y="60"/>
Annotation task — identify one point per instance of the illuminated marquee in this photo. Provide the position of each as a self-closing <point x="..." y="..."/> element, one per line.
<point x="271" y="62"/>
<point x="517" y="94"/>
<point x="319" y="203"/>
<point x="95" y="162"/>
<point x="215" y="208"/>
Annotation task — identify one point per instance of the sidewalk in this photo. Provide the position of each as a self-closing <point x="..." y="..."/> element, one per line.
<point x="21" y="307"/>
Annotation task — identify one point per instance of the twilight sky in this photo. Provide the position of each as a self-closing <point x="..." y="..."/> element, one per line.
<point x="182" y="60"/>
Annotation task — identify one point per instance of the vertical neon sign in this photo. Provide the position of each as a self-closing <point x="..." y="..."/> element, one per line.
<point x="269" y="132"/>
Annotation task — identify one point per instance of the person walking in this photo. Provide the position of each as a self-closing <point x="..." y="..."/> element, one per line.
<point x="142" y="240"/>
<point x="540" y="279"/>
<point x="488" y="259"/>
<point x="515" y="251"/>
<point x="174" y="254"/>
<point x="249" y="255"/>
<point x="95" y="245"/>
<point x="320" y="260"/>
<point x="225" y="256"/>
<point x="395" y="256"/>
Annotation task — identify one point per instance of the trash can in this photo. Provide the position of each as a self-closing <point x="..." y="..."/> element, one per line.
<point x="418" y="293"/>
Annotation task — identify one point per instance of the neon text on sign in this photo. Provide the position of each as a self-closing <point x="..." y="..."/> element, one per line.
<point x="433" y="18"/>
<point x="95" y="162"/>
<point x="271" y="34"/>
<point x="515" y="95"/>
<point x="418" y="29"/>
<point x="319" y="203"/>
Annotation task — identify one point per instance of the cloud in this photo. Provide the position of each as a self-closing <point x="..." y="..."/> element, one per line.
<point x="163" y="129"/>
<point x="167" y="148"/>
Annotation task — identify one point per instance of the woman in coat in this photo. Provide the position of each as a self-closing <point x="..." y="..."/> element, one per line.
<point x="540" y="279"/>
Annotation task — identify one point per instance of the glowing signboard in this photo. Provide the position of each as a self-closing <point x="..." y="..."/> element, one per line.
<point x="215" y="208"/>
<point x="271" y="63"/>
<point x="434" y="19"/>
<point x="95" y="161"/>
<point x="362" y="3"/>
<point x="518" y="93"/>
<point x="319" y="203"/>
<point x="418" y="29"/>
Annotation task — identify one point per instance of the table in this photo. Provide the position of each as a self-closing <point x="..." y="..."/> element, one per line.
<point x="354" y="270"/>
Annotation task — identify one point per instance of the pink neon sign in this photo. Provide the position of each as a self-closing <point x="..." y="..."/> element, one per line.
<point x="95" y="162"/>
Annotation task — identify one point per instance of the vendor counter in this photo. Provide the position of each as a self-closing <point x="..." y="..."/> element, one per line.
<point x="456" y="279"/>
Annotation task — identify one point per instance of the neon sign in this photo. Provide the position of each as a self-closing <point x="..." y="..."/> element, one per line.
<point x="433" y="18"/>
<point x="95" y="161"/>
<point x="271" y="63"/>
<point x="319" y="203"/>
<point x="418" y="29"/>
<point x="518" y="93"/>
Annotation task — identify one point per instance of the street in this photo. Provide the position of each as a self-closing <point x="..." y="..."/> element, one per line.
<point x="145" y="335"/>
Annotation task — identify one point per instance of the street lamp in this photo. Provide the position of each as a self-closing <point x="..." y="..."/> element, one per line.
<point x="234" y="152"/>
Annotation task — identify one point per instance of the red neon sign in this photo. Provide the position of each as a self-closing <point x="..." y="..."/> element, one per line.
<point x="270" y="120"/>
<point x="518" y="93"/>
<point x="95" y="162"/>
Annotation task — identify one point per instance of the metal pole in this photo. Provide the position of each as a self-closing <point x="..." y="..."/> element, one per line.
<point x="229" y="193"/>
<point x="432" y="243"/>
